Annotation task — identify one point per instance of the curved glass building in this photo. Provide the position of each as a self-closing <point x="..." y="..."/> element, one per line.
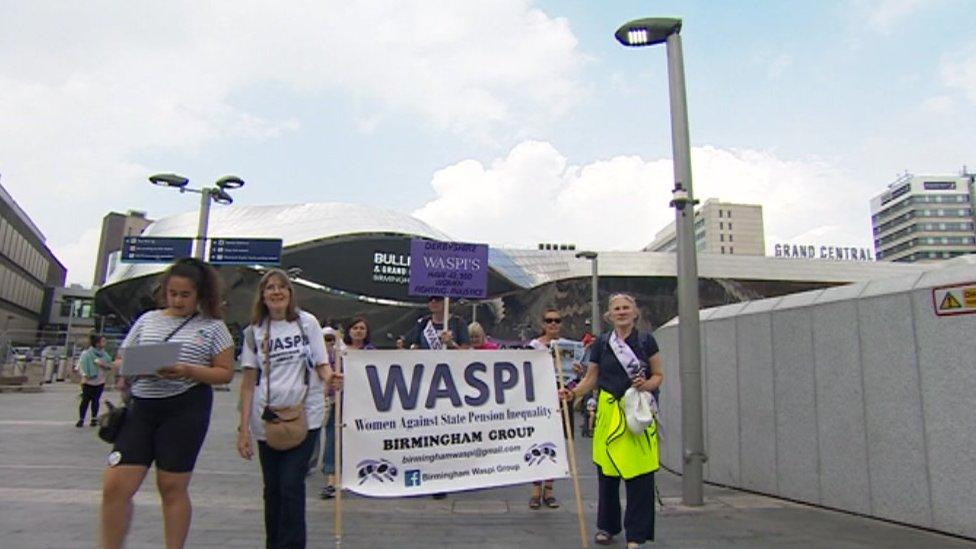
<point x="353" y="260"/>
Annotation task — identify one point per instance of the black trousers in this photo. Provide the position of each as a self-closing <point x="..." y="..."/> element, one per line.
<point x="90" y="394"/>
<point x="639" y="516"/>
<point x="284" y="493"/>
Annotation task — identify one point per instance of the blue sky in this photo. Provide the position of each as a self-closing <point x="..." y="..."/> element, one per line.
<point x="509" y="122"/>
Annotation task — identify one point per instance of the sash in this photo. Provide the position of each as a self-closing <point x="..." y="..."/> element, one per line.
<point x="626" y="355"/>
<point x="430" y="334"/>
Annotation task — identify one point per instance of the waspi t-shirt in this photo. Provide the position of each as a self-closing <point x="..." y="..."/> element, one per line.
<point x="288" y="366"/>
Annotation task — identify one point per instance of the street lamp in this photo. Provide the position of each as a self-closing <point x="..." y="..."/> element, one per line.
<point x="649" y="32"/>
<point x="217" y="194"/>
<point x="594" y="295"/>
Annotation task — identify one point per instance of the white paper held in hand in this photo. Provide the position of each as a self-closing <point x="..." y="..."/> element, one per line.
<point x="143" y="360"/>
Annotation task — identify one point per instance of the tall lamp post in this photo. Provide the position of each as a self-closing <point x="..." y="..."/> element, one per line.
<point x="649" y="32"/>
<point x="217" y="194"/>
<point x="594" y="295"/>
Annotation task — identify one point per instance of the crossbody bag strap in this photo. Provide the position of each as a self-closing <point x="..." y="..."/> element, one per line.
<point x="266" y="343"/>
<point x="180" y="327"/>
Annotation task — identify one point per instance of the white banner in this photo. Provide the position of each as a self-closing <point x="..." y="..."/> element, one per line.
<point x="421" y="422"/>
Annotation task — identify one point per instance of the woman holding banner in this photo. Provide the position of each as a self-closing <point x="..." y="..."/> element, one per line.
<point x="619" y="360"/>
<point x="357" y="337"/>
<point x="551" y="326"/>
<point x="284" y="375"/>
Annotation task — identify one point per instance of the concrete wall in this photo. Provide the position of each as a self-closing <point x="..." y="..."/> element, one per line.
<point x="857" y="397"/>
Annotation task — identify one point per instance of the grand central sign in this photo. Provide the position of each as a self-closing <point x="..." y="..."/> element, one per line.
<point x="812" y="251"/>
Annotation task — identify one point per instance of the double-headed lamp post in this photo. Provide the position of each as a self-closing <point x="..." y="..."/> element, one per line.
<point x="649" y="32"/>
<point x="218" y="194"/>
<point x="594" y="295"/>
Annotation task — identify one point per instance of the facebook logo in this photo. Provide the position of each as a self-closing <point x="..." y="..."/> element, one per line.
<point x="412" y="478"/>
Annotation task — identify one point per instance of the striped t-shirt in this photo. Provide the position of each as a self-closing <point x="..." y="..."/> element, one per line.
<point x="203" y="338"/>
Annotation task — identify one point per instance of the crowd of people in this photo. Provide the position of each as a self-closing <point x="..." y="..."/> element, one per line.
<point x="291" y="378"/>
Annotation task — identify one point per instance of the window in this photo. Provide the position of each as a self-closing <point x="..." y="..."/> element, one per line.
<point x="721" y="225"/>
<point x="720" y="213"/>
<point x="730" y="214"/>
<point x="730" y="238"/>
<point x="731" y="249"/>
<point x="723" y="249"/>
<point x="730" y="225"/>
<point x="721" y="238"/>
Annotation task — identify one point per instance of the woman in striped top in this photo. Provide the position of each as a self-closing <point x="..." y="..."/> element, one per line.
<point x="169" y="414"/>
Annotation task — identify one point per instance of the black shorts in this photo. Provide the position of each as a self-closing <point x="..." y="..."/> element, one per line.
<point x="168" y="431"/>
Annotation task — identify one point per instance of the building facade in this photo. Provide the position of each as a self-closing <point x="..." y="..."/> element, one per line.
<point x="27" y="269"/>
<point x="115" y="227"/>
<point x="720" y="228"/>
<point x="924" y="218"/>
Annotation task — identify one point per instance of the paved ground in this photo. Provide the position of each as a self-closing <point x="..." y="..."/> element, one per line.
<point x="50" y="474"/>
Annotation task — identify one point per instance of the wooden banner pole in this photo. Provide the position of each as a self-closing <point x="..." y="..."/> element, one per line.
<point x="566" y="407"/>
<point x="337" y="425"/>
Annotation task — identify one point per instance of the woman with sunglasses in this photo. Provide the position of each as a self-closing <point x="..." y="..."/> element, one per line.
<point x="552" y="320"/>
<point x="284" y="365"/>
<point x="619" y="360"/>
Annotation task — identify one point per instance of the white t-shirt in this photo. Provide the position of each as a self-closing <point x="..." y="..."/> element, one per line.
<point x="288" y="365"/>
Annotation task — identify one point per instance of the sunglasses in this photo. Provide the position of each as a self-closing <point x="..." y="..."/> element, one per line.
<point x="552" y="320"/>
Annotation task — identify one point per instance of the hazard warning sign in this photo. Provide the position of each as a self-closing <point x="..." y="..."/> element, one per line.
<point x="958" y="299"/>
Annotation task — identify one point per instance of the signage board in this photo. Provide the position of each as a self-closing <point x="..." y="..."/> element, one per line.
<point x="811" y="251"/>
<point x="143" y="249"/>
<point x="451" y="269"/>
<point x="245" y="251"/>
<point x="958" y="299"/>
<point x="442" y="421"/>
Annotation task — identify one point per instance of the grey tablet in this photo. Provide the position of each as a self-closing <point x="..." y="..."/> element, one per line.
<point x="146" y="359"/>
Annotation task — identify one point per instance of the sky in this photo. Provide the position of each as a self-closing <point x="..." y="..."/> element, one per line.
<point x="509" y="122"/>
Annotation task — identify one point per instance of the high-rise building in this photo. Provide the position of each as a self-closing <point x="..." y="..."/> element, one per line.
<point x="116" y="226"/>
<point x="924" y="218"/>
<point x="27" y="269"/>
<point x="720" y="228"/>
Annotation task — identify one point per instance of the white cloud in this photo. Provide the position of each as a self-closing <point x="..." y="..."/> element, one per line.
<point x="884" y="15"/>
<point x="86" y="90"/>
<point x="534" y="195"/>
<point x="79" y="254"/>
<point x="959" y="72"/>
<point x="938" y="104"/>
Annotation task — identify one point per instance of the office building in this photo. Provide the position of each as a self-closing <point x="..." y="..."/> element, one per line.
<point x="27" y="269"/>
<point x="720" y="228"/>
<point x="924" y="218"/>
<point x="115" y="227"/>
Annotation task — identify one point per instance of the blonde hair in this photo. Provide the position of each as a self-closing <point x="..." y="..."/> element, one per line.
<point x="627" y="297"/>
<point x="476" y="328"/>
<point x="259" y="311"/>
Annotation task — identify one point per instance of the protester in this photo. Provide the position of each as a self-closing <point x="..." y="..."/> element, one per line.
<point x="621" y="359"/>
<point x="431" y="332"/>
<point x="333" y="346"/>
<point x="282" y="367"/>
<point x="357" y="337"/>
<point x="478" y="338"/>
<point x="552" y="319"/>
<point x="92" y="364"/>
<point x="169" y="413"/>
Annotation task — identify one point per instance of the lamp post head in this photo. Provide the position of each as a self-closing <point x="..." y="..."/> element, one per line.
<point x="229" y="182"/>
<point x="586" y="255"/>
<point x="169" y="180"/>
<point x="221" y="197"/>
<point x="647" y="32"/>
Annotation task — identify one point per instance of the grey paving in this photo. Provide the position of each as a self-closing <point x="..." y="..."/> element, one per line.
<point x="50" y="475"/>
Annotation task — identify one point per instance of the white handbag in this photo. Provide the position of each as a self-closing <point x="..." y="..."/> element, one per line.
<point x="639" y="409"/>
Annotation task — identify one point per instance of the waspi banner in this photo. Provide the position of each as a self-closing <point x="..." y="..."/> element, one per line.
<point x="421" y="422"/>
